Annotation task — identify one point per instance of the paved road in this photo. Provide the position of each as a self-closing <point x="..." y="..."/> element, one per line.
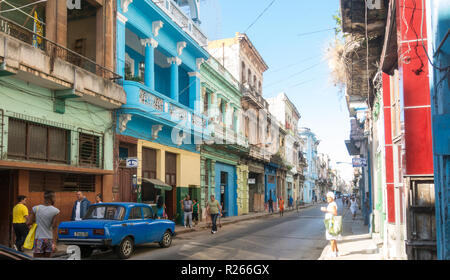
<point x="296" y="236"/>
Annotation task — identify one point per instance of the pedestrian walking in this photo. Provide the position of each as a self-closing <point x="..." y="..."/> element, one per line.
<point x="20" y="219"/>
<point x="187" y="209"/>
<point x="331" y="211"/>
<point x="281" y="206"/>
<point x="45" y="218"/>
<point x="80" y="207"/>
<point x="291" y="202"/>
<point x="353" y="207"/>
<point x="214" y="209"/>
<point x="270" y="202"/>
<point x="195" y="211"/>
<point x="160" y="208"/>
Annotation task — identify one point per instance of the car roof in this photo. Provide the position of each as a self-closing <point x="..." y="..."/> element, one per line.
<point x="124" y="204"/>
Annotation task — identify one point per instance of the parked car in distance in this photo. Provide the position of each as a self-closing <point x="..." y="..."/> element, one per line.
<point x="119" y="226"/>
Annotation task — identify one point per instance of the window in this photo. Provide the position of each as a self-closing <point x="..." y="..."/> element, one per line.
<point x="37" y="142"/>
<point x="61" y="182"/>
<point x="206" y="103"/>
<point x="135" y="213"/>
<point x="105" y="212"/>
<point x="89" y="154"/>
<point x="148" y="213"/>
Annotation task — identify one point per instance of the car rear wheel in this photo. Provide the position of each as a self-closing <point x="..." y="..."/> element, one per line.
<point x="166" y="240"/>
<point x="126" y="248"/>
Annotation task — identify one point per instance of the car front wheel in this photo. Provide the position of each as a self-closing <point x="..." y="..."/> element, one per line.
<point x="166" y="240"/>
<point x="125" y="248"/>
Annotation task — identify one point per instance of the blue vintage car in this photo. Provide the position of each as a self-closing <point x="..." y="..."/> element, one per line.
<point x="120" y="226"/>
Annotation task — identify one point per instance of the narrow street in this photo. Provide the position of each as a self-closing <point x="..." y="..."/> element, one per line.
<point x="296" y="236"/>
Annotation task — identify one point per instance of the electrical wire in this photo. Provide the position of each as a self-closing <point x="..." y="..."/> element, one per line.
<point x="314" y="32"/>
<point x="260" y="15"/>
<point x="298" y="73"/>
<point x="20" y="9"/>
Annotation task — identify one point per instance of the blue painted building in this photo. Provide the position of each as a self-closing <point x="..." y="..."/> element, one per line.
<point x="270" y="179"/>
<point x="226" y="188"/>
<point x="438" y="21"/>
<point x="159" y="54"/>
<point x="311" y="172"/>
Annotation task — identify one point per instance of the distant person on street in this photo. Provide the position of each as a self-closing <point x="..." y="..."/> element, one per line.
<point x="340" y="205"/>
<point x="353" y="207"/>
<point x="281" y="206"/>
<point x="331" y="210"/>
<point x="291" y="202"/>
<point x="187" y="208"/>
<point x="20" y="219"/>
<point x="195" y="211"/>
<point x="45" y="218"/>
<point x="80" y="207"/>
<point x="214" y="209"/>
<point x="270" y="201"/>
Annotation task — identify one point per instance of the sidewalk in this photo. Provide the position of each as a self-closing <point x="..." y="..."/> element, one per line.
<point x="356" y="242"/>
<point x="203" y="225"/>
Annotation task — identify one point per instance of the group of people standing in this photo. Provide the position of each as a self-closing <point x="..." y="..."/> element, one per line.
<point x="191" y="210"/>
<point x="280" y="205"/>
<point x="45" y="216"/>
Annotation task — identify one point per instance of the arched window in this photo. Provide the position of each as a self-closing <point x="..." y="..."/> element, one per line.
<point x="249" y="77"/>
<point x="259" y="88"/>
<point x="243" y="73"/>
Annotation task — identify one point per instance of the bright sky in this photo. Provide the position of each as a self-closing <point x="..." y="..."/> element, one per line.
<point x="296" y="63"/>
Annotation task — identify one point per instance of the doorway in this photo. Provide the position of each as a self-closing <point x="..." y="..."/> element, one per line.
<point x="171" y="180"/>
<point x="224" y="192"/>
<point x="6" y="206"/>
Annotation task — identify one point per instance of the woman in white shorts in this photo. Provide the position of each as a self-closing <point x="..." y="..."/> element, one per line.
<point x="353" y="207"/>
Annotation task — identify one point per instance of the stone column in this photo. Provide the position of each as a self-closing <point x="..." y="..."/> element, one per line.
<point x="150" y="46"/>
<point x="174" y="87"/>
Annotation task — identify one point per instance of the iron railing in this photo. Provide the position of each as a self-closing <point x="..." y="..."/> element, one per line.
<point x="54" y="50"/>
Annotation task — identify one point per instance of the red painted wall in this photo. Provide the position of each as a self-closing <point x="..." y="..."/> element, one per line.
<point x="414" y="85"/>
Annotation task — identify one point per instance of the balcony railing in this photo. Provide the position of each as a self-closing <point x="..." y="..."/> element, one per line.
<point x="53" y="49"/>
<point x="182" y="20"/>
<point x="250" y="92"/>
<point x="158" y="105"/>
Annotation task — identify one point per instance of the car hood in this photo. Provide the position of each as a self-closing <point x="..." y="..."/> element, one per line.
<point x="88" y="224"/>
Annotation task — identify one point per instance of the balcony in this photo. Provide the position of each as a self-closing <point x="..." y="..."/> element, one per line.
<point x="259" y="153"/>
<point x="251" y="95"/>
<point x="182" y="20"/>
<point x="154" y="105"/>
<point x="33" y="58"/>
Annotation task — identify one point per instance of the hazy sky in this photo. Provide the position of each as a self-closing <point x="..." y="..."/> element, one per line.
<point x="296" y="60"/>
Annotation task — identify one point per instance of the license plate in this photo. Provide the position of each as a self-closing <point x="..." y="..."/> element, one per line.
<point x="81" y="234"/>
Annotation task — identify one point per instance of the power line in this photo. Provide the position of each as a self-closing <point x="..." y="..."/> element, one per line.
<point x="298" y="73"/>
<point x="260" y="15"/>
<point x="314" y="32"/>
<point x="291" y="65"/>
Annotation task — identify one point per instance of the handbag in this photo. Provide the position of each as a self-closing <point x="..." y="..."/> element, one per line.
<point x="334" y="225"/>
<point x="29" y="240"/>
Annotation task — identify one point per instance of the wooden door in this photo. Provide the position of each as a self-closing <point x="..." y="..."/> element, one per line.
<point x="127" y="193"/>
<point x="171" y="179"/>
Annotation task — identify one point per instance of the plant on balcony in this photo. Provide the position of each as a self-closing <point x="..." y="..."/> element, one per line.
<point x="130" y="77"/>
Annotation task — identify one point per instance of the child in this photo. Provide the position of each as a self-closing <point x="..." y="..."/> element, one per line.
<point x="195" y="211"/>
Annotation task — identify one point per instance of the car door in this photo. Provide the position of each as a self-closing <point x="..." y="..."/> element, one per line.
<point x="151" y="225"/>
<point x="137" y="226"/>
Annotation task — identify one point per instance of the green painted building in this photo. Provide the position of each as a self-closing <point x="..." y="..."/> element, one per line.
<point x="222" y="172"/>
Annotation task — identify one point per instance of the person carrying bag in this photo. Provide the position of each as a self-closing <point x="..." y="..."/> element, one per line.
<point x="333" y="224"/>
<point x="29" y="240"/>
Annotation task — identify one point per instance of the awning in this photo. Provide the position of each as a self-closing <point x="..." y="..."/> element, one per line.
<point x="158" y="184"/>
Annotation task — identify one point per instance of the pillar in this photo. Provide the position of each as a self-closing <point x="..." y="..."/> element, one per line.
<point x="174" y="87"/>
<point x="120" y="44"/>
<point x="194" y="92"/>
<point x="150" y="46"/>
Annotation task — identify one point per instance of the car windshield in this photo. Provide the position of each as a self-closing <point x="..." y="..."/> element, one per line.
<point x="105" y="212"/>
